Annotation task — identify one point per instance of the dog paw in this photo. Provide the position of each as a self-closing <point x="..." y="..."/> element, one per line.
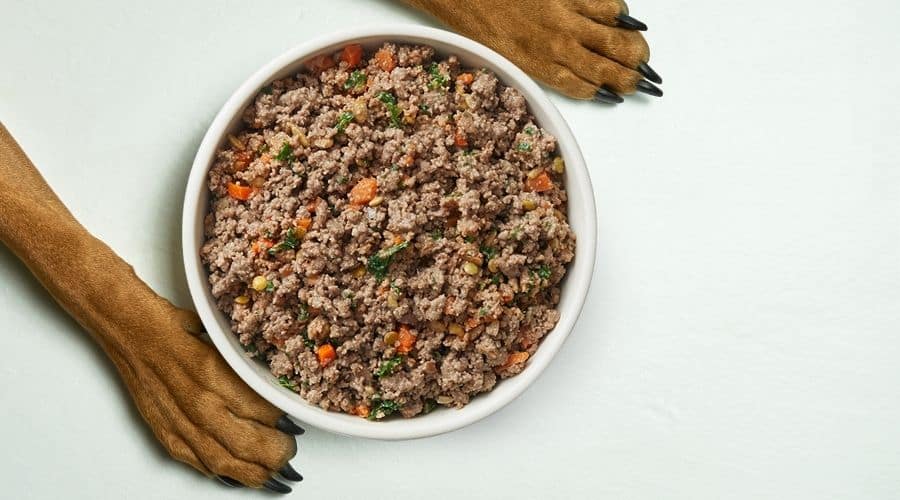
<point x="202" y="412"/>
<point x="586" y="49"/>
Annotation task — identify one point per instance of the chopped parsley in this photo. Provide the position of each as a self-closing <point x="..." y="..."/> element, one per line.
<point x="430" y="405"/>
<point x="356" y="80"/>
<point x="488" y="252"/>
<point x="425" y="109"/>
<point x="291" y="242"/>
<point x="302" y="312"/>
<point x="469" y="239"/>
<point x="495" y="279"/>
<point x="438" y="80"/>
<point x="390" y="102"/>
<point x="437" y="234"/>
<point x="270" y="286"/>
<point x="267" y="90"/>
<point x="286" y="154"/>
<point x="382" y="408"/>
<point x="379" y="263"/>
<point x="524" y="147"/>
<point x="388" y="367"/>
<point x="483" y="312"/>
<point x="308" y="342"/>
<point x="287" y="383"/>
<point x="544" y="272"/>
<point x="529" y="130"/>
<point x="343" y="120"/>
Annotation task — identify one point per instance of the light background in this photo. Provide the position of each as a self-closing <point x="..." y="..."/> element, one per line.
<point x="742" y="336"/>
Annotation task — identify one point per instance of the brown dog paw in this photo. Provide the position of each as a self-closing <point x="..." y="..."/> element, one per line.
<point x="586" y="49"/>
<point x="200" y="410"/>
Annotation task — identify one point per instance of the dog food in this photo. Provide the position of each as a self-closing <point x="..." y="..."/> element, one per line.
<point x="388" y="232"/>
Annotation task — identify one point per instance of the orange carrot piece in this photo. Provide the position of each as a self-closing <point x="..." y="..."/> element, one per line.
<point x="539" y="184"/>
<point x="242" y="160"/>
<point x="239" y="192"/>
<point x="360" y="411"/>
<point x="352" y="54"/>
<point x="326" y="354"/>
<point x="472" y="323"/>
<point x="385" y="60"/>
<point x="460" y="139"/>
<point x="364" y="191"/>
<point x="320" y="63"/>
<point x="465" y="78"/>
<point x="262" y="244"/>
<point x="304" y="223"/>
<point x="406" y="340"/>
<point x="515" y="358"/>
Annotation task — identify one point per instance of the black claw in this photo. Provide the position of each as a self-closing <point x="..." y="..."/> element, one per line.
<point x="648" y="88"/>
<point x="289" y="473"/>
<point x="273" y="485"/>
<point x="607" y="97"/>
<point x="234" y="483"/>
<point x="628" y="22"/>
<point x="286" y="425"/>
<point x="649" y="74"/>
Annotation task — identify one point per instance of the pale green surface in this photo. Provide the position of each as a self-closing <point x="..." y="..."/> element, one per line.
<point x="742" y="336"/>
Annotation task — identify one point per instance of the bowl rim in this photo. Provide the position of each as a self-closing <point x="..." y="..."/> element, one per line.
<point x="578" y="276"/>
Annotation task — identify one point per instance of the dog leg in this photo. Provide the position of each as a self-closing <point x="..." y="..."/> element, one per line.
<point x="197" y="407"/>
<point x="586" y="49"/>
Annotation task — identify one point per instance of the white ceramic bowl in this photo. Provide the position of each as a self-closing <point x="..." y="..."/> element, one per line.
<point x="581" y="211"/>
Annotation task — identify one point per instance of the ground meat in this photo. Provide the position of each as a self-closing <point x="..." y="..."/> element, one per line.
<point x="389" y="237"/>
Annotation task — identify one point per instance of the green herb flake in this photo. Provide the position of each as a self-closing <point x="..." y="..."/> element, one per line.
<point x="438" y="80"/>
<point x="379" y="263"/>
<point x="483" y="312"/>
<point x="287" y="383"/>
<point x="270" y="286"/>
<point x="308" y="342"/>
<point x="387" y="367"/>
<point x="286" y="154"/>
<point x="495" y="279"/>
<point x="437" y="234"/>
<point x="267" y="90"/>
<point x="544" y="272"/>
<point x="344" y="120"/>
<point x="425" y="109"/>
<point x="390" y="102"/>
<point x="357" y="79"/>
<point x="529" y="130"/>
<point x="290" y="242"/>
<point x="430" y="405"/>
<point x="302" y="313"/>
<point x="469" y="239"/>
<point x="523" y="147"/>
<point x="488" y="252"/>
<point x="382" y="408"/>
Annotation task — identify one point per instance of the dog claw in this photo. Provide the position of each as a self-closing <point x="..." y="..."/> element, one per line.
<point x="273" y="485"/>
<point x="230" y="482"/>
<point x="628" y="22"/>
<point x="648" y="73"/>
<point x="607" y="97"/>
<point x="287" y="426"/>
<point x="289" y="473"/>
<point x="648" y="88"/>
